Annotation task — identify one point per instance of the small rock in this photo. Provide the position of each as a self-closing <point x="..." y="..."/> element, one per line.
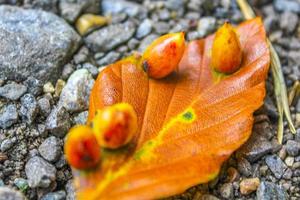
<point x="12" y="91"/>
<point x="59" y="87"/>
<point x="42" y="130"/>
<point x="110" y="37"/>
<point x="232" y="175"/>
<point x="276" y="165"/>
<point x="270" y="191"/>
<point x="44" y="106"/>
<point x="59" y="195"/>
<point x="81" y="118"/>
<point x="58" y="121"/>
<point x="10" y="194"/>
<point x="287" y="174"/>
<point x="91" y="68"/>
<point x="287" y="5"/>
<point x="34" y="85"/>
<point x="7" y="144"/>
<point x="249" y="185"/>
<point x="292" y="147"/>
<point x="39" y="172"/>
<point x="226" y="191"/>
<point x="48" y="88"/>
<point x="161" y="27"/>
<point x="289" y="161"/>
<point x="29" y="108"/>
<point x="109" y="58"/>
<point x="70" y="191"/>
<point x="50" y="149"/>
<point x="208" y="197"/>
<point x="206" y="25"/>
<point x="244" y="167"/>
<point x="21" y="183"/>
<point x="75" y="95"/>
<point x="282" y="153"/>
<point x="144" y="28"/>
<point x="121" y="6"/>
<point x="50" y="6"/>
<point x="68" y="70"/>
<point x="36" y="46"/>
<point x="263" y="170"/>
<point x="8" y="115"/>
<point x="288" y="21"/>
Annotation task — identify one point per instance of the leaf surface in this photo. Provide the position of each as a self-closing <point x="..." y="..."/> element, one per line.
<point x="189" y="122"/>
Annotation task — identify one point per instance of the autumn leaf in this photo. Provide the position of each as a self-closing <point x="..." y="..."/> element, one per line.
<point x="189" y="123"/>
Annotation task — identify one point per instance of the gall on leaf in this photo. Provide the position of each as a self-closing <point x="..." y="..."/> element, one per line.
<point x="226" y="50"/>
<point x="163" y="55"/>
<point x="81" y="148"/>
<point x="114" y="126"/>
<point x="188" y="123"/>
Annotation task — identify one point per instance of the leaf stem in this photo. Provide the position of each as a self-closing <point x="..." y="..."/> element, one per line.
<point x="278" y="78"/>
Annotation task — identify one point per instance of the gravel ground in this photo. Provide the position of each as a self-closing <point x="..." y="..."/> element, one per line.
<point x="47" y="70"/>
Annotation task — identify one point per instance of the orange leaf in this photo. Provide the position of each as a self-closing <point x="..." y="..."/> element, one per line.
<point x="188" y="123"/>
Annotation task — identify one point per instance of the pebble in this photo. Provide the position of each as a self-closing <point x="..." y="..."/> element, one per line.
<point x="8" y="115"/>
<point x="48" y="88"/>
<point x="226" y="191"/>
<point x="29" y="108"/>
<point x="12" y="91"/>
<point x="39" y="172"/>
<point x="75" y="95"/>
<point x="282" y="153"/>
<point x="21" y="183"/>
<point x="50" y="149"/>
<point x="7" y="144"/>
<point x="81" y="56"/>
<point x="244" y="167"/>
<point x="35" y="46"/>
<point x="70" y="191"/>
<point x="58" y="121"/>
<point x="110" y="37"/>
<point x="34" y="85"/>
<point x="289" y="161"/>
<point x="131" y="8"/>
<point x="276" y="165"/>
<point x="161" y="27"/>
<point x="44" y="106"/>
<point x="60" y="84"/>
<point x="249" y="185"/>
<point x="109" y="58"/>
<point x="59" y="195"/>
<point x="289" y="21"/>
<point x="287" y="5"/>
<point x="232" y="175"/>
<point x="7" y="193"/>
<point x="292" y="147"/>
<point x="144" y="29"/>
<point x="206" y="25"/>
<point x="270" y="191"/>
<point x="91" y="68"/>
<point x="81" y="118"/>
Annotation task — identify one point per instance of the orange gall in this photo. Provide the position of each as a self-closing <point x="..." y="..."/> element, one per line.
<point x="81" y="148"/>
<point x="115" y="126"/>
<point x="163" y="55"/>
<point x="226" y="50"/>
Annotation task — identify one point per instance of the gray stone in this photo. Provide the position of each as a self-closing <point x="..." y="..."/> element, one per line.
<point x="81" y="118"/>
<point x="276" y="165"/>
<point x="287" y="5"/>
<point x="292" y="147"/>
<point x="206" y="25"/>
<point x="39" y="172"/>
<point x="71" y="195"/>
<point x="121" y="6"/>
<point x="8" y="115"/>
<point x="226" y="191"/>
<point x="110" y="37"/>
<point x="146" y="41"/>
<point x="50" y="149"/>
<point x="44" y="106"/>
<point x="36" y="46"/>
<point x="59" y="195"/>
<point x="175" y="4"/>
<point x="29" y="108"/>
<point x="255" y="148"/>
<point x="81" y="56"/>
<point x="91" y="68"/>
<point x="270" y="191"/>
<point x="109" y="58"/>
<point x="34" y="86"/>
<point x="144" y="28"/>
<point x="58" y="121"/>
<point x="47" y="5"/>
<point x="161" y="27"/>
<point x="12" y="91"/>
<point x="244" y="167"/>
<point x="75" y="95"/>
<point x="21" y="183"/>
<point x="71" y="9"/>
<point x="10" y="194"/>
<point x="7" y="144"/>
<point x="289" y="21"/>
